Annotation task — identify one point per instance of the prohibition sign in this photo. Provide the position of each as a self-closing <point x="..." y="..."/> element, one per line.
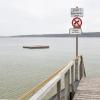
<point x="77" y="22"/>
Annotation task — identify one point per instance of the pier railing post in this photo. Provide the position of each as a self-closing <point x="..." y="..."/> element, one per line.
<point x="67" y="85"/>
<point x="58" y="89"/>
<point x="82" y="69"/>
<point x="72" y="82"/>
<point x="76" y="69"/>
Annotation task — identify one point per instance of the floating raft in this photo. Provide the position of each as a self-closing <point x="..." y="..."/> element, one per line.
<point x="37" y="47"/>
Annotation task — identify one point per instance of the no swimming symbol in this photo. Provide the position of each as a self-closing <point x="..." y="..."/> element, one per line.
<point x="77" y="22"/>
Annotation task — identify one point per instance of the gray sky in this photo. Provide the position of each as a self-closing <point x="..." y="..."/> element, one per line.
<point x="45" y="16"/>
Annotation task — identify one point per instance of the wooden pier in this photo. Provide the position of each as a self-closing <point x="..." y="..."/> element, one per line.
<point x="88" y="89"/>
<point x="67" y="83"/>
<point x="61" y="85"/>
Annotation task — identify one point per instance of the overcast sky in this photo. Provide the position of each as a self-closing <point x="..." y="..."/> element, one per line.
<point x="45" y="16"/>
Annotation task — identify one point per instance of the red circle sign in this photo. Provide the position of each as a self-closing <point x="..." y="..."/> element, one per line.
<point x="77" y="22"/>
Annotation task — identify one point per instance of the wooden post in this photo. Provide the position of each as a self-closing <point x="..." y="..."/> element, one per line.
<point x="58" y="89"/>
<point x="72" y="92"/>
<point x="67" y="86"/>
<point x="83" y="69"/>
<point x="76" y="69"/>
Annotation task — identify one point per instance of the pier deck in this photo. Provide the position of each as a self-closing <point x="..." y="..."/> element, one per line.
<point x="88" y="89"/>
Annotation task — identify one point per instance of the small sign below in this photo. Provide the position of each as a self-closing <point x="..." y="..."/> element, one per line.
<point x="75" y="31"/>
<point x="76" y="12"/>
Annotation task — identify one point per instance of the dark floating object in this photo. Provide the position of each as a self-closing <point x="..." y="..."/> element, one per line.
<point x="37" y="47"/>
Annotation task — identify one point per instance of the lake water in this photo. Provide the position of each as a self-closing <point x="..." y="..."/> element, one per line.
<point x="21" y="69"/>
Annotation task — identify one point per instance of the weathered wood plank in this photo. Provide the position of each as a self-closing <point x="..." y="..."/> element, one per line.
<point x="88" y="89"/>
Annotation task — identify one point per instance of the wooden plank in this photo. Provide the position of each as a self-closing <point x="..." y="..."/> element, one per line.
<point x="88" y="89"/>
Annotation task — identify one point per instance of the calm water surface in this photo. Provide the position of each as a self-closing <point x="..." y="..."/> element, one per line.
<point x="21" y="69"/>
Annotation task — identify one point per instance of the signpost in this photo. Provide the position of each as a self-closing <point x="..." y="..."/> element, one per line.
<point x="76" y="23"/>
<point x="76" y="13"/>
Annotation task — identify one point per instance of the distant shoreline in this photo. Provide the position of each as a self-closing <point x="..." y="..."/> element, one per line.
<point x="90" y="34"/>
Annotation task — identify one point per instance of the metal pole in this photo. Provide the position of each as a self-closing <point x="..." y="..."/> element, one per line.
<point x="76" y="61"/>
<point x="76" y="45"/>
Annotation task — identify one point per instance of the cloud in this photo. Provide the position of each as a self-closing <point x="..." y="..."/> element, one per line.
<point x="45" y="16"/>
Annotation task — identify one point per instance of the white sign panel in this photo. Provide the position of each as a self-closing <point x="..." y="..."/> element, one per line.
<point x="76" y="12"/>
<point x="75" y="31"/>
